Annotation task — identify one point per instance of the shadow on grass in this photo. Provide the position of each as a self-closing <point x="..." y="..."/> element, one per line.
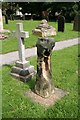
<point x="30" y="82"/>
<point x="8" y="65"/>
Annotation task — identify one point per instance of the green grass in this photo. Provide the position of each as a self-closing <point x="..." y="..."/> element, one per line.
<point x="10" y="44"/>
<point x="64" y="67"/>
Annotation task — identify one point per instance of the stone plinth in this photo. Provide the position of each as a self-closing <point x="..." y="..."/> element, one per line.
<point x="23" y="71"/>
<point x="44" y="30"/>
<point x="57" y="95"/>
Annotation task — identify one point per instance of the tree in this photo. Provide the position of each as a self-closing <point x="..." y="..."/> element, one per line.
<point x="69" y="8"/>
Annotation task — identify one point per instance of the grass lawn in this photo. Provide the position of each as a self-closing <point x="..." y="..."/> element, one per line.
<point x="64" y="67"/>
<point x="10" y="44"/>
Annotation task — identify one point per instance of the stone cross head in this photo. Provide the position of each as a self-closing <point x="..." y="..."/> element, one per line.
<point x="20" y="35"/>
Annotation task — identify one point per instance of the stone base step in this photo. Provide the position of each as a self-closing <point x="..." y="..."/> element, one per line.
<point x="23" y="72"/>
<point x="23" y="78"/>
<point x="22" y="65"/>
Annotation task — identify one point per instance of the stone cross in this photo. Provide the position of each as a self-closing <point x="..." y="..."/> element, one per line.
<point x="1" y="21"/>
<point x="23" y="70"/>
<point x="20" y="35"/>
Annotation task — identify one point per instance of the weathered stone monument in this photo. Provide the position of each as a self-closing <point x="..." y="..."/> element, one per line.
<point x="44" y="86"/>
<point x="23" y="69"/>
<point x="43" y="29"/>
<point x="76" y="24"/>
<point x="44" y="91"/>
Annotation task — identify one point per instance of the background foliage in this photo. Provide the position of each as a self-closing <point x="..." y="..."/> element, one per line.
<point x="70" y="9"/>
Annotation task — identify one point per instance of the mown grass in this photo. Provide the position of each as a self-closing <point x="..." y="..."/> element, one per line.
<point x="64" y="67"/>
<point x="10" y="44"/>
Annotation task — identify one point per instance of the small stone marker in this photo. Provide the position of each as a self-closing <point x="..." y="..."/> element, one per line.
<point x="23" y="69"/>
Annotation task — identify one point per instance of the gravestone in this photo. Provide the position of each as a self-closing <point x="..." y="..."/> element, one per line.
<point x="61" y="23"/>
<point x="23" y="69"/>
<point x="2" y="36"/>
<point x="6" y="17"/>
<point x="76" y="24"/>
<point x="44" y="30"/>
<point x="1" y="22"/>
<point x="5" y="12"/>
<point x="45" y="93"/>
<point x="44" y="86"/>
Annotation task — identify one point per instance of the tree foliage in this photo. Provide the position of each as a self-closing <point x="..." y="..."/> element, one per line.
<point x="70" y="9"/>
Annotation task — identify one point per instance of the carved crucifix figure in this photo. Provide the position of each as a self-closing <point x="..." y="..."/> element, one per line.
<point x="44" y="86"/>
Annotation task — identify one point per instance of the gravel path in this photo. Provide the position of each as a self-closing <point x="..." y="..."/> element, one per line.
<point x="13" y="56"/>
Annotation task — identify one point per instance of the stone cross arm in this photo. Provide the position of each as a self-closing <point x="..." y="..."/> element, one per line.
<point x="22" y="34"/>
<point x="19" y="33"/>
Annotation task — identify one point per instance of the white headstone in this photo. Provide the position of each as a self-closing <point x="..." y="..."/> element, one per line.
<point x="1" y="21"/>
<point x="20" y="35"/>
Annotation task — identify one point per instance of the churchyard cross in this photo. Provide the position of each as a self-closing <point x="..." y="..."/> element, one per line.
<point x="20" y="35"/>
<point x="23" y="70"/>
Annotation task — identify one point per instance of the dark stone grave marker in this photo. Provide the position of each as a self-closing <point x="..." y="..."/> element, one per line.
<point x="76" y="25"/>
<point x="61" y="23"/>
